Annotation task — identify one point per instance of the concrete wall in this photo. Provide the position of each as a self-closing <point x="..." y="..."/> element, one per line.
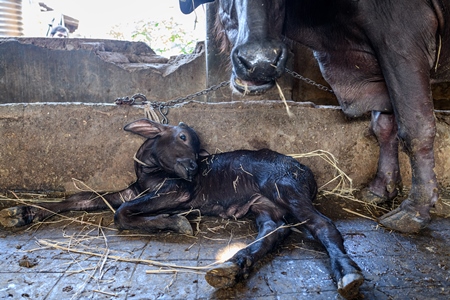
<point x="86" y="70"/>
<point x="44" y="146"/>
<point x="57" y="120"/>
<point x="99" y="71"/>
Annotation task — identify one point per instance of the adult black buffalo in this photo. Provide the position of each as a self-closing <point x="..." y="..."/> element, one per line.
<point x="377" y="55"/>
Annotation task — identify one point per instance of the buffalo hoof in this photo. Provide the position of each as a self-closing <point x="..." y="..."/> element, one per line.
<point x="348" y="286"/>
<point x="404" y="221"/>
<point x="223" y="275"/>
<point x="368" y="196"/>
<point x="13" y="217"/>
<point x="181" y="225"/>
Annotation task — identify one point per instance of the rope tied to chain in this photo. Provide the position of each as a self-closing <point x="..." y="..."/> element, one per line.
<point x="151" y="109"/>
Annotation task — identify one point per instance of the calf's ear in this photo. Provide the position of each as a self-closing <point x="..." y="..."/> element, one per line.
<point x="146" y="128"/>
<point x="203" y="152"/>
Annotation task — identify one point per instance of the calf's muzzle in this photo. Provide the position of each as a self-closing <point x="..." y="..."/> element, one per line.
<point x="186" y="168"/>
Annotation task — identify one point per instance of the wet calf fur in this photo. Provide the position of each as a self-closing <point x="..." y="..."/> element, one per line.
<point x="175" y="175"/>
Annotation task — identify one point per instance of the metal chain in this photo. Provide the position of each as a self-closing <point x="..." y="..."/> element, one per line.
<point x="309" y="81"/>
<point x="163" y="107"/>
<point x="195" y="95"/>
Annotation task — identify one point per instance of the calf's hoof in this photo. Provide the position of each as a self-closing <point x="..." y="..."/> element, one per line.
<point x="181" y="225"/>
<point x="348" y="286"/>
<point x="13" y="217"/>
<point x="403" y="220"/>
<point x="223" y="275"/>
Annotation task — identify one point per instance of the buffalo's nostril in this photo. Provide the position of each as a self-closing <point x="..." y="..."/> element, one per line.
<point x="259" y="63"/>
<point x="244" y="61"/>
<point x="278" y="53"/>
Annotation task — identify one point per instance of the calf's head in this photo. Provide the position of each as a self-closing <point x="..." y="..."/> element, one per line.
<point x="254" y="30"/>
<point x="173" y="149"/>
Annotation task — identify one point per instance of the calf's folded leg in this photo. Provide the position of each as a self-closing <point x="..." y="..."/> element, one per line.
<point x="149" y="213"/>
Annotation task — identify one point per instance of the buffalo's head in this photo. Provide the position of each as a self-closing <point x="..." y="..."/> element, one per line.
<point x="253" y="29"/>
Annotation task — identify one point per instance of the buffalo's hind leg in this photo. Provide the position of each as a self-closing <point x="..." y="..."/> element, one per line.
<point x="346" y="272"/>
<point x="387" y="182"/>
<point x="238" y="267"/>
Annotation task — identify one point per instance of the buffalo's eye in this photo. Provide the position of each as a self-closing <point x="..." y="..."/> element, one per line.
<point x="183" y="137"/>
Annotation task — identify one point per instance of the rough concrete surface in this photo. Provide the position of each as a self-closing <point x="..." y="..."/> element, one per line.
<point x="66" y="259"/>
<point x="99" y="71"/>
<point x="45" y="146"/>
<point x="91" y="70"/>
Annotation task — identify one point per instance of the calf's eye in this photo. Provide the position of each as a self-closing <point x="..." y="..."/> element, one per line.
<point x="183" y="137"/>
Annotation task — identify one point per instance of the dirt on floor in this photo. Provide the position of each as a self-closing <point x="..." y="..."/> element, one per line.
<point x="82" y="256"/>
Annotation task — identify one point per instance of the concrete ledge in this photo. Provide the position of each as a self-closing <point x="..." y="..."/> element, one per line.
<point x="45" y="145"/>
<point x="91" y="70"/>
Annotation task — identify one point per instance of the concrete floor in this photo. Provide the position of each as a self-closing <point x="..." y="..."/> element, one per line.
<point x="35" y="262"/>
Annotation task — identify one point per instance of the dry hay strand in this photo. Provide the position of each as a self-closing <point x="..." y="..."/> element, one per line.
<point x="28" y="197"/>
<point x="89" y="189"/>
<point x="74" y="246"/>
<point x="442" y="207"/>
<point x="343" y="183"/>
<point x="280" y="92"/>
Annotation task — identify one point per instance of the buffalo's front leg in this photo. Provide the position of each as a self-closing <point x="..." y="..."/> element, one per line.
<point x="238" y="267"/>
<point x="149" y="213"/>
<point x="387" y="182"/>
<point x="408" y="83"/>
<point x="413" y="213"/>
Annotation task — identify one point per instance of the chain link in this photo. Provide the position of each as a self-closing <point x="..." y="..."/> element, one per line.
<point x="195" y="95"/>
<point x="163" y="107"/>
<point x="309" y="81"/>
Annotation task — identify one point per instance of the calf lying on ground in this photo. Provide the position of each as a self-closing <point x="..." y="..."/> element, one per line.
<point x="174" y="175"/>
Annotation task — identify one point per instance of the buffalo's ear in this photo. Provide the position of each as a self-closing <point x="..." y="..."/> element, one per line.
<point x="145" y="128"/>
<point x="188" y="6"/>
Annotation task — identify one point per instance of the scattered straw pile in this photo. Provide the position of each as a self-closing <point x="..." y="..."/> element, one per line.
<point x="94" y="233"/>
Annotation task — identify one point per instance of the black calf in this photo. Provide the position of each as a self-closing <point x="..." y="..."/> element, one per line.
<point x="177" y="176"/>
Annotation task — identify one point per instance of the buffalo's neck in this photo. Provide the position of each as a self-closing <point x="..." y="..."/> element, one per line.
<point x="313" y="22"/>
